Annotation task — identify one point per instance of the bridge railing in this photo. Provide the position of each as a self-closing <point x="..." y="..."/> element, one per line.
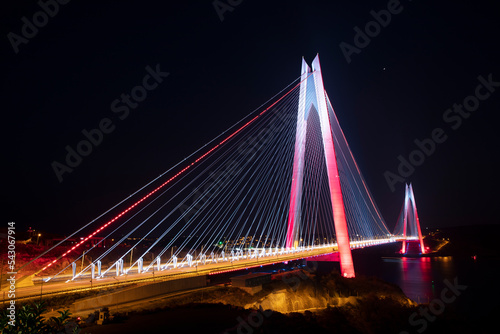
<point x="204" y="259"/>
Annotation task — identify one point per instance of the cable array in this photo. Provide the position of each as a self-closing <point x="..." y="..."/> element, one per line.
<point x="233" y="200"/>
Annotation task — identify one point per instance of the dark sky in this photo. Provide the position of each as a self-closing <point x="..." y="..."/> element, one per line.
<point x="394" y="90"/>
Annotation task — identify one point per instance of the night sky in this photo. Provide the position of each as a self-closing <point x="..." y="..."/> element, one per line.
<point x="394" y="89"/>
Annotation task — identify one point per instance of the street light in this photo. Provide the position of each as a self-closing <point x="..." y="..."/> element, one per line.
<point x="38" y="237"/>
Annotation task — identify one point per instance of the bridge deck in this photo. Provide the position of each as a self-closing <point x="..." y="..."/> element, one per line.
<point x="84" y="282"/>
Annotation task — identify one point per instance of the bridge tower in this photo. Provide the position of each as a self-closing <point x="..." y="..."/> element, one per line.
<point x="410" y="221"/>
<point x="312" y="98"/>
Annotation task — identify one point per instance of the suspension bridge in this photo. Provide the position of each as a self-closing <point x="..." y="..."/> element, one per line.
<point x="279" y="185"/>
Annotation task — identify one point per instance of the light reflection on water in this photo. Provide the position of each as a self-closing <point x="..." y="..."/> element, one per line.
<point x="415" y="277"/>
<point x="424" y="279"/>
<point x="421" y="279"/>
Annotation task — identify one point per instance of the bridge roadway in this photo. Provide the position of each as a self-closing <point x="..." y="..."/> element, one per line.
<point x="85" y="283"/>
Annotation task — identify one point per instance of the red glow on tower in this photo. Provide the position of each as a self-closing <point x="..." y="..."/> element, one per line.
<point x="410" y="216"/>
<point x="346" y="264"/>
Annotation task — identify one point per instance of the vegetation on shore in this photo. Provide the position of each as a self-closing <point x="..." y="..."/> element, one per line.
<point x="29" y="320"/>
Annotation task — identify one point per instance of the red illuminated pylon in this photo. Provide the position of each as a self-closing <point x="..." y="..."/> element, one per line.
<point x="316" y="100"/>
<point x="410" y="216"/>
